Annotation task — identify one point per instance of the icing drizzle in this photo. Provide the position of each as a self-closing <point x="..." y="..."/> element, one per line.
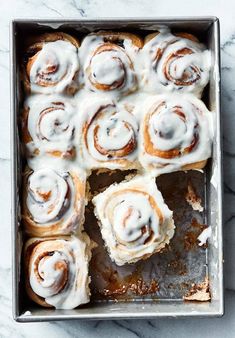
<point x="176" y="130"/>
<point x="58" y="271"/>
<point x="53" y="68"/>
<point x="135" y="222"/>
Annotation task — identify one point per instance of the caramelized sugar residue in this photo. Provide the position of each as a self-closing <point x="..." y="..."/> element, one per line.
<point x="129" y="285"/>
<point x="199" y="292"/>
<point x="132" y="283"/>
<point x="177" y="266"/>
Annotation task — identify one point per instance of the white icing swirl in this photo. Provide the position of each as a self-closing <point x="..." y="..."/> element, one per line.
<point x="175" y="63"/>
<point x="128" y="209"/>
<point x="107" y="70"/>
<point x="54" y="67"/>
<point x="50" y="124"/>
<point x="52" y="278"/>
<point x="47" y="195"/>
<point x="58" y="271"/>
<point x="176" y="130"/>
<point x="134" y="220"/>
<point x="109" y="135"/>
<point x="107" y="66"/>
<point x="54" y="202"/>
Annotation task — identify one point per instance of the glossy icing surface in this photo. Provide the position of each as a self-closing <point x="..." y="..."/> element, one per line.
<point x="58" y="271"/>
<point x="134" y="220"/>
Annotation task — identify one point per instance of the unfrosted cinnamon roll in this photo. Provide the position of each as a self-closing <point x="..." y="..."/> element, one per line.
<point x="176" y="134"/>
<point x="176" y="62"/>
<point x="51" y="64"/>
<point x="108" y="61"/>
<point x="56" y="271"/>
<point x="53" y="202"/>
<point x="134" y="220"/>
<point x="48" y="126"/>
<point x="109" y="136"/>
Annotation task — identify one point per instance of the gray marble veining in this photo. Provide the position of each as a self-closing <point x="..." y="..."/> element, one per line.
<point x="224" y="327"/>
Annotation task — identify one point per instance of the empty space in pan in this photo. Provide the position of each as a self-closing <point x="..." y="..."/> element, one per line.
<point x="164" y="276"/>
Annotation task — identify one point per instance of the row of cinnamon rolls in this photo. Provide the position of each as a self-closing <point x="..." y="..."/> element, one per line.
<point x="162" y="134"/>
<point x="116" y="63"/>
<point x="54" y="203"/>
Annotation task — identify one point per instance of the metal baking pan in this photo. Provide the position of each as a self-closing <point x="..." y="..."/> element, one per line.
<point x="196" y="263"/>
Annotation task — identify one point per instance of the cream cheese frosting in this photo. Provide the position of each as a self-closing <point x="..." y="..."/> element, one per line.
<point x="107" y="66"/>
<point x="54" y="202"/>
<point x="54" y="68"/>
<point x="134" y="220"/>
<point x="109" y="135"/>
<point x="174" y="63"/>
<point x="51" y="125"/>
<point x="176" y="130"/>
<point x="58" y="270"/>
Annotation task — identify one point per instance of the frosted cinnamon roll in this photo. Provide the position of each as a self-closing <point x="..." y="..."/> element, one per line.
<point x="176" y="62"/>
<point x="56" y="271"/>
<point x="109" y="136"/>
<point x="51" y="64"/>
<point x="53" y="202"/>
<point x="108" y="61"/>
<point x="48" y="126"/>
<point x="176" y="134"/>
<point x="134" y="220"/>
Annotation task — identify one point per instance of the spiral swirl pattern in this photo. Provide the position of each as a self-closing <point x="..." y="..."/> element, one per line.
<point x="57" y="271"/>
<point x="176" y="132"/>
<point x="177" y="62"/>
<point x="48" y="127"/>
<point x="53" y="65"/>
<point x="134" y="220"/>
<point x="53" y="202"/>
<point x="108" y="62"/>
<point x="109" y="135"/>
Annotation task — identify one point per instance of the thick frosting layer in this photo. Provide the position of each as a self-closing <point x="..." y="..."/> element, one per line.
<point x="108" y="65"/>
<point x="57" y="271"/>
<point x="54" y="202"/>
<point x="109" y="135"/>
<point x="111" y="139"/>
<point x="53" y="68"/>
<point x="49" y="126"/>
<point x="47" y="195"/>
<point x="134" y="220"/>
<point x="175" y="63"/>
<point x="176" y="130"/>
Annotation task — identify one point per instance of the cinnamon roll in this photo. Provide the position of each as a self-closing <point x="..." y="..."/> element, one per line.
<point x="134" y="220"/>
<point x="53" y="202"/>
<point x="56" y="271"/>
<point x="109" y="135"/>
<point x="108" y="61"/>
<point x="48" y="126"/>
<point x="176" y="62"/>
<point x="51" y="64"/>
<point x="176" y="134"/>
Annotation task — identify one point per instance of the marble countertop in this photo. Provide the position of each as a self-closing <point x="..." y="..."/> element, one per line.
<point x="220" y="327"/>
